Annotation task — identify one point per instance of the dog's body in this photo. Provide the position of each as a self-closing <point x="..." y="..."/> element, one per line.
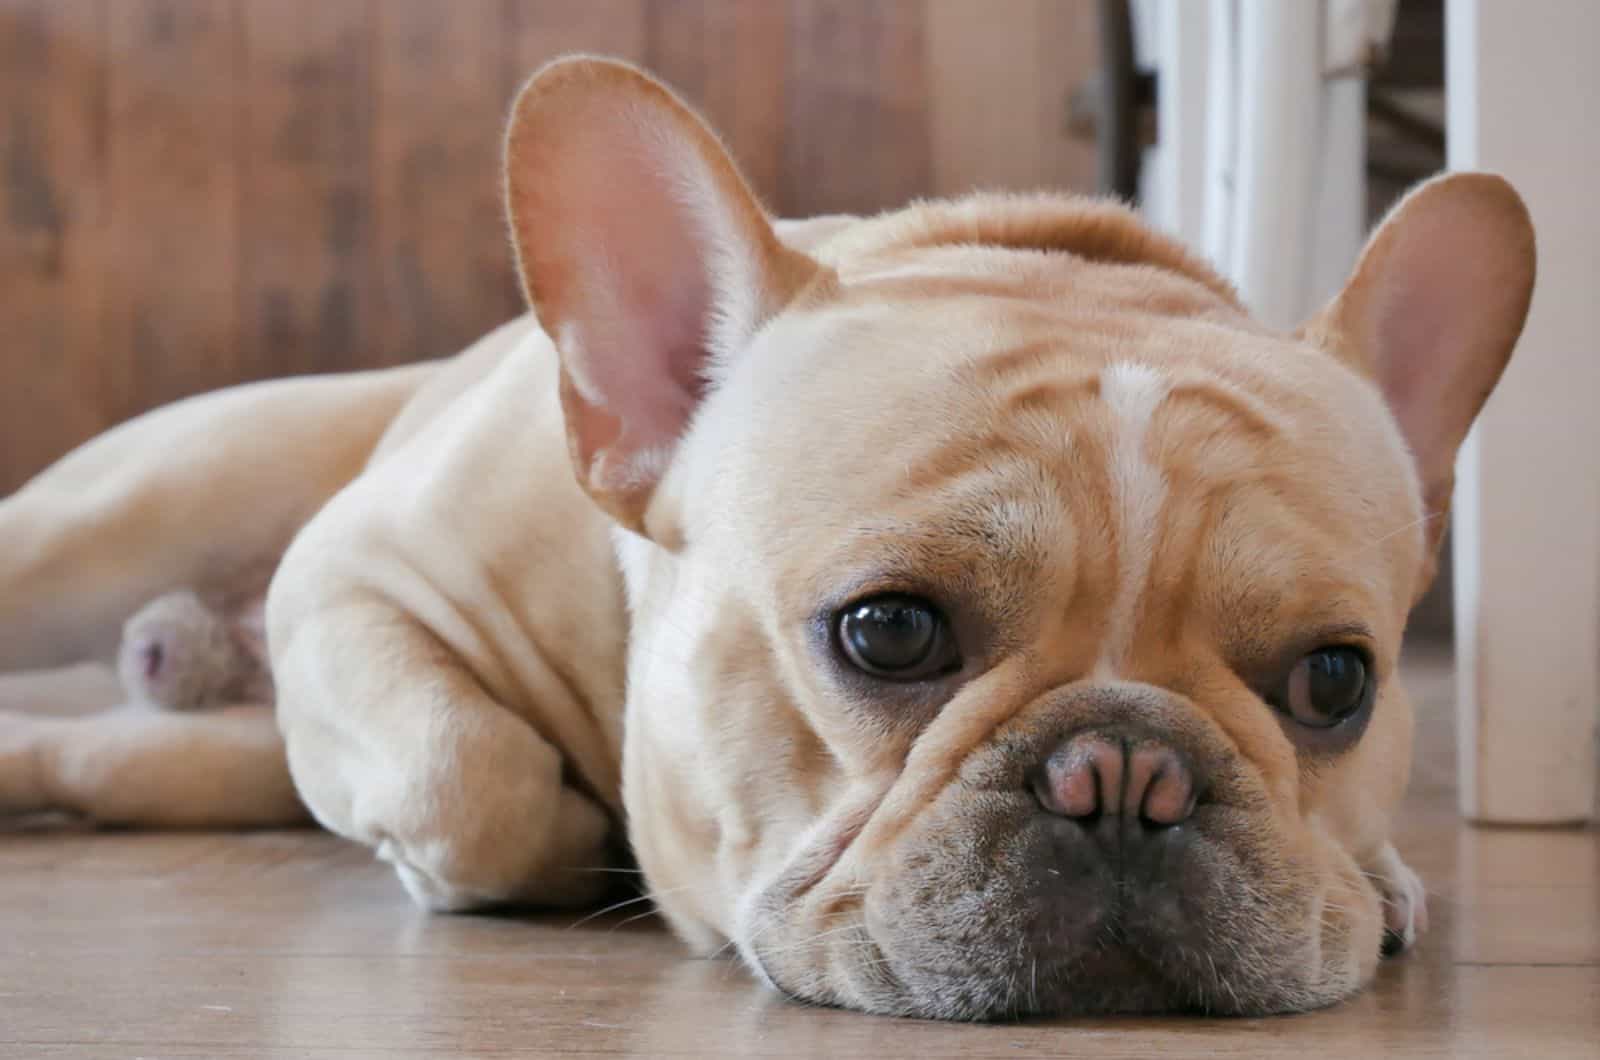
<point x="737" y="467"/>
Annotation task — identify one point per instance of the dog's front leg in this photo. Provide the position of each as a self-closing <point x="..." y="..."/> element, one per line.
<point x="393" y="743"/>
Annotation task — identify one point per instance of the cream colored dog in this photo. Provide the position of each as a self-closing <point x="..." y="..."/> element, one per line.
<point x="970" y="611"/>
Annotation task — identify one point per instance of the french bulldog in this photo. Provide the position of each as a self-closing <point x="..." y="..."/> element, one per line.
<point x="964" y="612"/>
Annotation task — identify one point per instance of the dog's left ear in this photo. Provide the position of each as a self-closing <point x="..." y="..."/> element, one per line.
<point x="646" y="259"/>
<point x="1431" y="314"/>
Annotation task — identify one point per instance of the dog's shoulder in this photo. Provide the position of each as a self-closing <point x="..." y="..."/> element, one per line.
<point x="460" y="374"/>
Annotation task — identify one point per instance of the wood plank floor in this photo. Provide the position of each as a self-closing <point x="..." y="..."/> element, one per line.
<point x="293" y="944"/>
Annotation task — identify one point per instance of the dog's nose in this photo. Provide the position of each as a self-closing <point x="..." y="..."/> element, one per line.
<point x="1096" y="775"/>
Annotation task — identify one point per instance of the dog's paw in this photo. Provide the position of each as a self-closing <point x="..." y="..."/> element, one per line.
<point x="570" y="868"/>
<point x="179" y="654"/>
<point x="1405" y="902"/>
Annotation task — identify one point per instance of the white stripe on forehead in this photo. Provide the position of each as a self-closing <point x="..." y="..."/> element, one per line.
<point x="1138" y="490"/>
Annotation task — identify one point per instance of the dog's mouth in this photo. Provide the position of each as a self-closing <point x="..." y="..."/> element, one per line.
<point x="1039" y="924"/>
<point x="991" y="905"/>
<point x="847" y="966"/>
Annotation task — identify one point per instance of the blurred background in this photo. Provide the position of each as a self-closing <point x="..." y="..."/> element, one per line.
<point x="195" y="193"/>
<point x="198" y="192"/>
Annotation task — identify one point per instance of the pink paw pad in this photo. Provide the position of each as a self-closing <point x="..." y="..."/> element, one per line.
<point x="179" y="654"/>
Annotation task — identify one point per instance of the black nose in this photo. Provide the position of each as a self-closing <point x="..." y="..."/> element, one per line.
<point x="1094" y="776"/>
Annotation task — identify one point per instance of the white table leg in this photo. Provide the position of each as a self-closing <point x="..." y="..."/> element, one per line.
<point x="1280" y="79"/>
<point x="1523" y="88"/>
<point x="1175" y="193"/>
<point x="1284" y="182"/>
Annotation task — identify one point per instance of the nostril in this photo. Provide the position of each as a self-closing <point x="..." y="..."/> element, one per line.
<point x="1169" y="793"/>
<point x="1095" y="775"/>
<point x="1083" y="779"/>
<point x="1076" y="786"/>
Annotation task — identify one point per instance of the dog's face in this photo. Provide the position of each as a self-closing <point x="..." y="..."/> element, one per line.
<point x="1016" y="622"/>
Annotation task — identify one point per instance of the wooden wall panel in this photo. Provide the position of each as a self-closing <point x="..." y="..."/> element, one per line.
<point x="998" y="103"/>
<point x="169" y="245"/>
<point x="51" y="133"/>
<point x="1067" y="51"/>
<point x="857" y="118"/>
<point x="309" y="279"/>
<point x="197" y="192"/>
<point x="535" y="33"/>
<point x="438" y="225"/>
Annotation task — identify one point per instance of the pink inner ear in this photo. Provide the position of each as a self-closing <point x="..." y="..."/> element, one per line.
<point x="617" y="219"/>
<point x="1436" y="327"/>
<point x="641" y="301"/>
<point x="1413" y="315"/>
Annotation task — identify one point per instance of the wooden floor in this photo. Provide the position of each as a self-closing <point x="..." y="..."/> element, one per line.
<point x="293" y="944"/>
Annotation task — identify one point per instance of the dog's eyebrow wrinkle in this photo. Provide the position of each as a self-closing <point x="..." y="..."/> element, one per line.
<point x="1049" y="394"/>
<point x="1004" y="362"/>
<point x="1133" y="392"/>
<point x="1251" y="413"/>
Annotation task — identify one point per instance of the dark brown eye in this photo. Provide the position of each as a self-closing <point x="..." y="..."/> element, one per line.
<point x="899" y="638"/>
<point x="1326" y="687"/>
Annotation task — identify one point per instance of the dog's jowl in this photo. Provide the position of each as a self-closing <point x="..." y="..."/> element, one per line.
<point x="967" y="612"/>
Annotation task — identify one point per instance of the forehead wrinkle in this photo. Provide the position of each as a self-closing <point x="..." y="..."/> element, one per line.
<point x="1178" y="447"/>
<point x="1302" y="559"/>
<point x="1047" y="395"/>
<point x="996" y="510"/>
<point x="1026" y="357"/>
<point x="1255" y="416"/>
<point x="976" y="509"/>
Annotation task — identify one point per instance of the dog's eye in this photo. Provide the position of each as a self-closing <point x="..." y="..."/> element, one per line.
<point x="1326" y="687"/>
<point x="901" y="638"/>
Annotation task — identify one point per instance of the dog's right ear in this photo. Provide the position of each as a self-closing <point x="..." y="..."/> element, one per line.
<point x="1431" y="314"/>
<point x="646" y="259"/>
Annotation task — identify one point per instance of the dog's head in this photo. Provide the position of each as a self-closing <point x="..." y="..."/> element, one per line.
<point x="1015" y="620"/>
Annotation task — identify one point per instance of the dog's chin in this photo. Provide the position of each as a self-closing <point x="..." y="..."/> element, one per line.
<point x="1002" y="955"/>
<point x="988" y="908"/>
